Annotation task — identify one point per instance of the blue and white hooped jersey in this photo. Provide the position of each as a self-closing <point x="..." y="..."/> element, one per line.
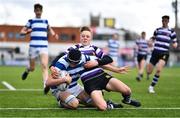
<point x="39" y="32"/>
<point x="113" y="46"/>
<point x="74" y="72"/>
<point x="163" y="38"/>
<point x="142" y="46"/>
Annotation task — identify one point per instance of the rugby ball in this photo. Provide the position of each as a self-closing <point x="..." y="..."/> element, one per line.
<point x="63" y="86"/>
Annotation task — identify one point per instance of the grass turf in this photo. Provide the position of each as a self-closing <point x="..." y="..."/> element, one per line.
<point x="164" y="103"/>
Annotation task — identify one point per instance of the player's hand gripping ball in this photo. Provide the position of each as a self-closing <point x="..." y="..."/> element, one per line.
<point x="63" y="86"/>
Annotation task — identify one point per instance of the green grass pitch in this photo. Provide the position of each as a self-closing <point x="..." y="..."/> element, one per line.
<point x="28" y="99"/>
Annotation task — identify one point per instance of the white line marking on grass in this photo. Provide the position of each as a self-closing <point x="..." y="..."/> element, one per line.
<point x="85" y="108"/>
<point x="23" y="90"/>
<point x="10" y="87"/>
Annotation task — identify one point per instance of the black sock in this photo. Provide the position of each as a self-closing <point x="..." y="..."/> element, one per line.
<point x="127" y="98"/>
<point x="155" y="80"/>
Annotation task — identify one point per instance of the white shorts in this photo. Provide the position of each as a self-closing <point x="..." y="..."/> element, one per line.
<point x="35" y="52"/>
<point x="76" y="90"/>
<point x="115" y="60"/>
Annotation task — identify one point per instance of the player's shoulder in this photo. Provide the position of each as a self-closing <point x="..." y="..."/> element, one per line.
<point x="159" y="28"/>
<point x="172" y="29"/>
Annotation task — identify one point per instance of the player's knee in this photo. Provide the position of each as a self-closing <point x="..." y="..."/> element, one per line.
<point x="44" y="66"/>
<point x="158" y="71"/>
<point x="72" y="101"/>
<point x="149" y="71"/>
<point x="126" y="91"/>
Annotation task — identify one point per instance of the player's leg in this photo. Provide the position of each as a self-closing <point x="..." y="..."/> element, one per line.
<point x="98" y="100"/>
<point x="159" y="68"/>
<point x="68" y="100"/>
<point x="115" y="60"/>
<point x="141" y="64"/>
<point x="44" y="67"/>
<point x="85" y="99"/>
<point x="118" y="86"/>
<point x="153" y="61"/>
<point x="31" y="66"/>
<point x="79" y="92"/>
<point x="149" y="70"/>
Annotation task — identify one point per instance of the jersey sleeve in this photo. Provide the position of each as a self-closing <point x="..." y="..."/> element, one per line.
<point x="173" y="37"/>
<point x="61" y="64"/>
<point x="29" y="23"/>
<point x="98" y="52"/>
<point x="155" y="33"/>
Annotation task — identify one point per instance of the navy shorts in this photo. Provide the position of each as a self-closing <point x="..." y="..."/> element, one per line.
<point x="97" y="83"/>
<point x="141" y="57"/>
<point x="156" y="56"/>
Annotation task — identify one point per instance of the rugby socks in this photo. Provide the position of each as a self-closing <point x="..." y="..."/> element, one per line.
<point x="127" y="98"/>
<point x="155" y="80"/>
<point x="140" y="76"/>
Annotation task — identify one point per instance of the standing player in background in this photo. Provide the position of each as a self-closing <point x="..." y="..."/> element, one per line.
<point x="113" y="48"/>
<point x="164" y="37"/>
<point x="38" y="29"/>
<point x="142" y="50"/>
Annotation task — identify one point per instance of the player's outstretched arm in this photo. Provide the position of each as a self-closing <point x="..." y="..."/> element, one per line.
<point x="53" y="33"/>
<point x="121" y="70"/>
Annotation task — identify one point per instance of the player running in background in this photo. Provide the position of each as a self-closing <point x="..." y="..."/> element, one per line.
<point x="164" y="37"/>
<point x="141" y="50"/>
<point x="38" y="29"/>
<point x="113" y="48"/>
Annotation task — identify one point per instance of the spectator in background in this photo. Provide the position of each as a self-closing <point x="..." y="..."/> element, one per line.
<point x="113" y="48"/>
<point x="141" y="50"/>
<point x="38" y="29"/>
<point x="164" y="37"/>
